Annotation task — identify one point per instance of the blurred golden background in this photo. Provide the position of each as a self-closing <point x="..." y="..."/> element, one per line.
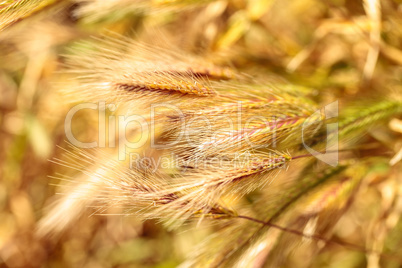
<point x="344" y="49"/>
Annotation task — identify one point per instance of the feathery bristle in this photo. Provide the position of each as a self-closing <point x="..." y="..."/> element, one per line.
<point x="231" y="127"/>
<point x="137" y="74"/>
<point x="361" y="119"/>
<point x="207" y="183"/>
<point x="13" y="11"/>
<point x="164" y="84"/>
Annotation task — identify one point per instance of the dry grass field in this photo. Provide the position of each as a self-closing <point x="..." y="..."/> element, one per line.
<point x="201" y="133"/>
